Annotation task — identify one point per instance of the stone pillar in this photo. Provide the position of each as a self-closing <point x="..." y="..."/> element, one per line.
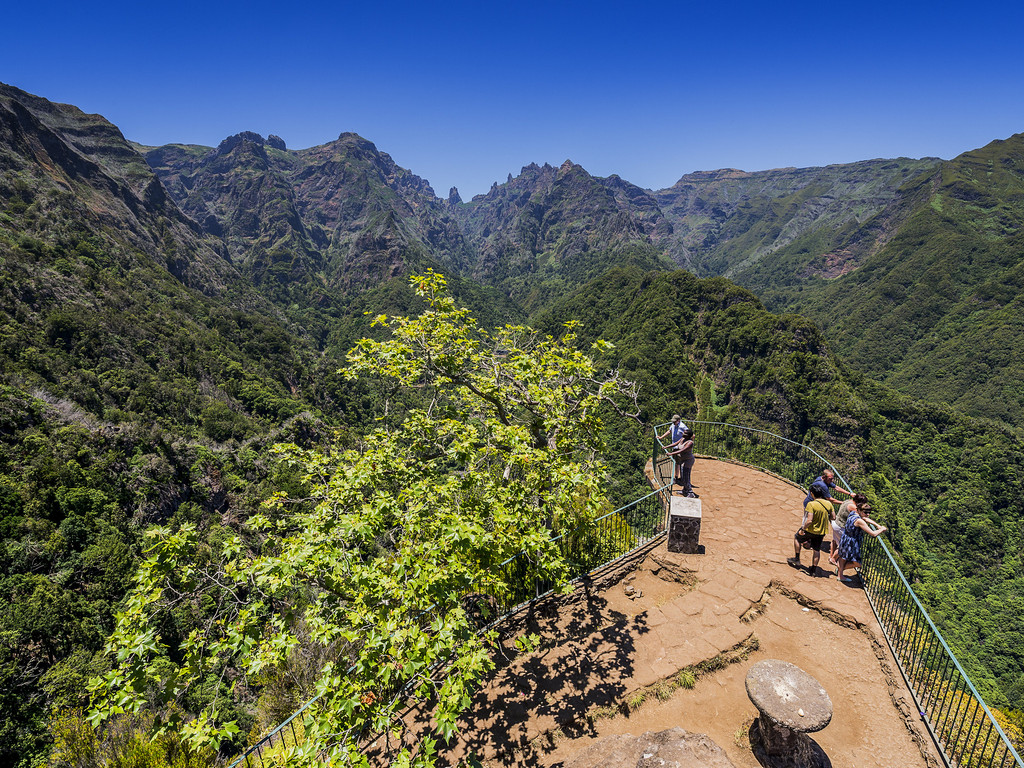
<point x="790" y="704"/>
<point x="684" y="525"/>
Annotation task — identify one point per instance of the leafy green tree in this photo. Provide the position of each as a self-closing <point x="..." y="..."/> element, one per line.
<point x="389" y="566"/>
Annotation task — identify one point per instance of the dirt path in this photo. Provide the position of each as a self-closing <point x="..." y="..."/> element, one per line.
<point x="607" y="649"/>
<point x="865" y="729"/>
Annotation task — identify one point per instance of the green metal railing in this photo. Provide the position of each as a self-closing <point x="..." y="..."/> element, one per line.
<point x="585" y="548"/>
<point x="963" y="728"/>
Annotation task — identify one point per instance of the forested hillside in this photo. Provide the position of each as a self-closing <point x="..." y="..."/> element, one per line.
<point x="142" y="380"/>
<point x="161" y="328"/>
<point x="936" y="311"/>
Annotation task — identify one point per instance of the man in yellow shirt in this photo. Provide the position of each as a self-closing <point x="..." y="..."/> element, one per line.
<point x="817" y="515"/>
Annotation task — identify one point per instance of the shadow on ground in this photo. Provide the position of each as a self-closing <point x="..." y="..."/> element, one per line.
<point x="587" y="663"/>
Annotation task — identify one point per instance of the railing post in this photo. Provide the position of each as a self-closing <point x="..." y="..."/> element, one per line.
<point x="654" y="454"/>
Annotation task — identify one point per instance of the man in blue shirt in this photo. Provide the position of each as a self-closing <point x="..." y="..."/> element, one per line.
<point x="826" y="483"/>
<point x="676" y="430"/>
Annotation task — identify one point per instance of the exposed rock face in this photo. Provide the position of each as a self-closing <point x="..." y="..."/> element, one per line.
<point x="673" y="748"/>
<point x="343" y="211"/>
<point x="74" y="167"/>
<point x="233" y="141"/>
<point x="548" y="230"/>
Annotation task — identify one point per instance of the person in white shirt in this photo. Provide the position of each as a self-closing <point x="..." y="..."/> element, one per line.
<point x="676" y="433"/>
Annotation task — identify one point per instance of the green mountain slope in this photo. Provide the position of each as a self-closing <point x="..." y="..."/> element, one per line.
<point x="71" y="175"/>
<point x="935" y="311"/>
<point x="140" y="381"/>
<point x="727" y="221"/>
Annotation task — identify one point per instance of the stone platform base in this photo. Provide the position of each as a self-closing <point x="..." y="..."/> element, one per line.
<point x="684" y="525"/>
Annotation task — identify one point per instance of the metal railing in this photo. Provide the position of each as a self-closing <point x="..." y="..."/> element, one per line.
<point x="962" y="726"/>
<point x="586" y="548"/>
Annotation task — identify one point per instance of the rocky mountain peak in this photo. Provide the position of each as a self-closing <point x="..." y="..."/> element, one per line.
<point x="231" y="142"/>
<point x="454" y="198"/>
<point x="352" y="138"/>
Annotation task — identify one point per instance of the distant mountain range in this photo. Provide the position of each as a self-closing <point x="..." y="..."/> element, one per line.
<point x="166" y="313"/>
<point x="836" y="243"/>
<point x="912" y="267"/>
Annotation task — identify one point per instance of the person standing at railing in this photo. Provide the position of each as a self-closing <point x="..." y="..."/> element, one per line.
<point x="682" y="455"/>
<point x="853" y="538"/>
<point x="812" y="530"/>
<point x="826" y="483"/>
<point x="675" y="432"/>
<point x="857" y="501"/>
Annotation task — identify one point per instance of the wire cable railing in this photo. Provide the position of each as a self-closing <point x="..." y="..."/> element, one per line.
<point x="962" y="726"/>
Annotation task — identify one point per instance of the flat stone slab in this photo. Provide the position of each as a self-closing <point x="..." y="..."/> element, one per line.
<point x="788" y="696"/>
<point x="673" y="748"/>
<point x="685" y="506"/>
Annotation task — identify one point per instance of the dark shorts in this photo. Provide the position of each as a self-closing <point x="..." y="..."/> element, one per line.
<point x="814" y="539"/>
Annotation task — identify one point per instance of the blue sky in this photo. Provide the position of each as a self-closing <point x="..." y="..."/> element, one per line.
<point x="465" y="93"/>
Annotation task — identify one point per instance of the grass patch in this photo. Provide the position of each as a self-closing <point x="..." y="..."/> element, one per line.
<point x="664" y="690"/>
<point x="742" y="736"/>
<point x="685" y="678"/>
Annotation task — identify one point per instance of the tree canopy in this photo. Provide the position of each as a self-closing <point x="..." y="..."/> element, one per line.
<point x="373" y="577"/>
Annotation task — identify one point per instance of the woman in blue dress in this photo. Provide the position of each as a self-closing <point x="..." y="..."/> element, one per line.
<point x="857" y="524"/>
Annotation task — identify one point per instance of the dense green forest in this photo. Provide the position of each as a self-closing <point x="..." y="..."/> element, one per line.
<point x="161" y="330"/>
<point x="926" y="294"/>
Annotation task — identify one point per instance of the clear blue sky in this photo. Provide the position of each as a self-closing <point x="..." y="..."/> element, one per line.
<point x="464" y="93"/>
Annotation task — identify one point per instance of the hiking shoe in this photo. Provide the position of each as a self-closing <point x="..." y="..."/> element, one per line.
<point x="793" y="561"/>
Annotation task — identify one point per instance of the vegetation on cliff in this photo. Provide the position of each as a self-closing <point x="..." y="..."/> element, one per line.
<point x="363" y="578"/>
<point x="934" y="305"/>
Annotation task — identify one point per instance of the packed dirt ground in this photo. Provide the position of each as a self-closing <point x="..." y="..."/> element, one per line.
<point x="611" y="654"/>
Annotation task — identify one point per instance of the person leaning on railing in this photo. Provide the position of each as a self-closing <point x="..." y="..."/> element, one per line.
<point x="682" y="455"/>
<point x="826" y="483"/>
<point x="677" y="431"/>
<point x="853" y="538"/>
<point x="859" y="502"/>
